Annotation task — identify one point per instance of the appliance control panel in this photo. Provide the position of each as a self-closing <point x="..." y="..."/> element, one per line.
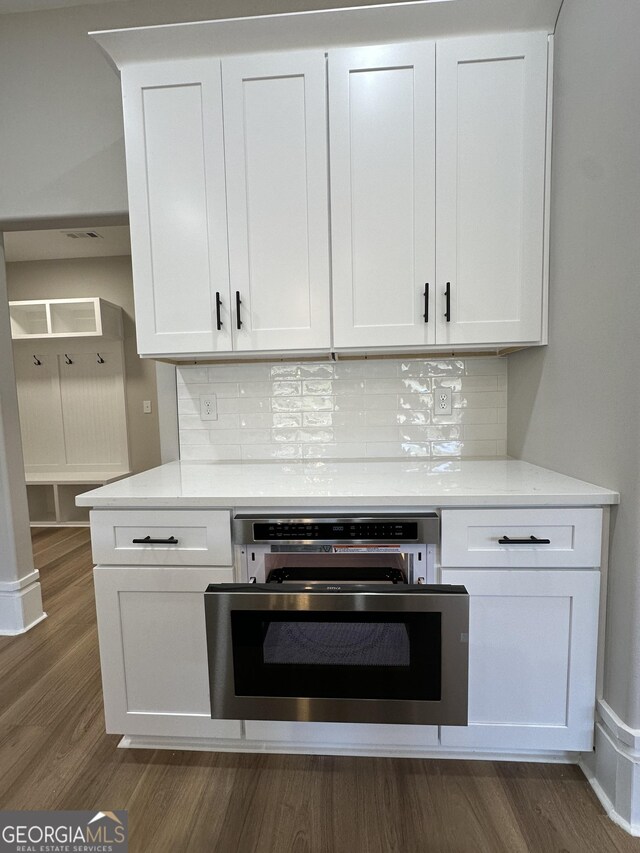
<point x="329" y="531"/>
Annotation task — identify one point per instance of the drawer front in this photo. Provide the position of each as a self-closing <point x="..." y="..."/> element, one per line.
<point x="562" y="538"/>
<point x="178" y="537"/>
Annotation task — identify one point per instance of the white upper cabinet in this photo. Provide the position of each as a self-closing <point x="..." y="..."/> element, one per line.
<point x="435" y="155"/>
<point x="175" y="171"/>
<point x="382" y="152"/>
<point x="491" y="118"/>
<point x="277" y="196"/>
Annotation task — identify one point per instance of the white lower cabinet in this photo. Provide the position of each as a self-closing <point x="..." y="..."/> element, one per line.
<point x="532" y="659"/>
<point x="153" y="651"/>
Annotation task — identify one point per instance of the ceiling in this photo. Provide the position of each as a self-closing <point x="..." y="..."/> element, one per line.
<point x="56" y="245"/>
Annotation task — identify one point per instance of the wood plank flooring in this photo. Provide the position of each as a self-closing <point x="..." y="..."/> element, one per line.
<point x="54" y="755"/>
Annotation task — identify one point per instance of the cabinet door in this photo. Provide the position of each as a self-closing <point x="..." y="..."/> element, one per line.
<point x="491" y="120"/>
<point x="153" y="651"/>
<point x="532" y="659"/>
<point x="38" y="386"/>
<point x="177" y="207"/>
<point x="276" y="165"/>
<point x="382" y="132"/>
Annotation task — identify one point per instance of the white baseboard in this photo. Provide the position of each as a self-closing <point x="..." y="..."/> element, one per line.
<point x="20" y="610"/>
<point x="613" y="771"/>
<point x="370" y="751"/>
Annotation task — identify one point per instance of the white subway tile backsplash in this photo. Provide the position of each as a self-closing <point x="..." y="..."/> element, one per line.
<point x="195" y="436"/>
<point x="254" y="389"/>
<point x="485" y="431"/>
<point x="366" y="408"/>
<point x="262" y="452"/>
<point x="288" y="420"/>
<point x="380" y="402"/>
<point x="489" y="365"/>
<point x="318" y="419"/>
<point x="347" y="387"/>
<point x="415" y="401"/>
<point x="188" y="375"/>
<point x="285" y="389"/>
<point x="333" y="450"/>
<point x="240" y="373"/>
<point x="316" y="386"/>
<point x="254" y="420"/>
<point x="188" y="406"/>
<point x="430" y="433"/>
<point x="385" y="386"/>
<point x="211" y="452"/>
<point x="447" y="367"/>
<point x="244" y="404"/>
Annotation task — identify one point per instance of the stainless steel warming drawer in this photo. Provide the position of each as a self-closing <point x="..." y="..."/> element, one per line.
<point x="338" y="652"/>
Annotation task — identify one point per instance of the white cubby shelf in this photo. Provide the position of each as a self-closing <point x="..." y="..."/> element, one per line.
<point x="65" y="318"/>
<point x="52" y="497"/>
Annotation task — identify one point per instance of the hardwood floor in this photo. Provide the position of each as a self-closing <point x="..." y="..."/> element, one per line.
<point x="54" y="755"/>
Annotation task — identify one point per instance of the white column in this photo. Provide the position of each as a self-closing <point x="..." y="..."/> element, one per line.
<point x="20" y="593"/>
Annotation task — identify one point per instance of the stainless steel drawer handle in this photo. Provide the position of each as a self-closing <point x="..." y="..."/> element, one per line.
<point x="531" y="540"/>
<point x="149" y="541"/>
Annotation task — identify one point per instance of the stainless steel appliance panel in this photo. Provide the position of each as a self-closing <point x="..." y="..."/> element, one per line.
<point x="451" y="707"/>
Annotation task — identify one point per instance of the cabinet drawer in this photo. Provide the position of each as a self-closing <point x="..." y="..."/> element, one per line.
<point x="195" y="537"/>
<point x="561" y="538"/>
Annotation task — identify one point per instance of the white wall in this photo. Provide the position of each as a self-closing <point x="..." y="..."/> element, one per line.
<point x="111" y="279"/>
<point x="575" y="406"/>
<point x="61" y="133"/>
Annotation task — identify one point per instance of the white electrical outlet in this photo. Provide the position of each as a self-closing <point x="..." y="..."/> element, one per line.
<point x="209" y="408"/>
<point x="442" y="401"/>
<point x="146" y="407"/>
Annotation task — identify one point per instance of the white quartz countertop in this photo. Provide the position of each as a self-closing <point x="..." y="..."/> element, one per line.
<point x="443" y="483"/>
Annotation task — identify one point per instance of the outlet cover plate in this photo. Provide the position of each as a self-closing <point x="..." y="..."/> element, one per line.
<point x="209" y="408"/>
<point x="442" y="400"/>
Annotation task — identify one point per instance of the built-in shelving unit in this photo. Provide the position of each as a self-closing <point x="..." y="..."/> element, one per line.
<point x="69" y="364"/>
<point x="68" y="318"/>
<point x="52" y="499"/>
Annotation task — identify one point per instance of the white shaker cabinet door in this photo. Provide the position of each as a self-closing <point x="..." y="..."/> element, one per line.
<point x="491" y="131"/>
<point x="532" y="659"/>
<point x="277" y="192"/>
<point x="177" y="206"/>
<point x="153" y="651"/>
<point x="382" y="143"/>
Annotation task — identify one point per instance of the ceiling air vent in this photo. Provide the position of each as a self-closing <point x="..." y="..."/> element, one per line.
<point x="83" y="235"/>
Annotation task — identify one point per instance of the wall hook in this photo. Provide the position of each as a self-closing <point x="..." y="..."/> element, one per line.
<point x="67" y="359"/>
<point x="36" y="361"/>
<point x="100" y="359"/>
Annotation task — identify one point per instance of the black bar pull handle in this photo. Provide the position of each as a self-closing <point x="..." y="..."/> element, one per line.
<point x="218" y="307"/>
<point x="426" y="302"/>
<point x="532" y="540"/>
<point x="149" y="541"/>
<point x="238" y="304"/>
<point x="447" y="296"/>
